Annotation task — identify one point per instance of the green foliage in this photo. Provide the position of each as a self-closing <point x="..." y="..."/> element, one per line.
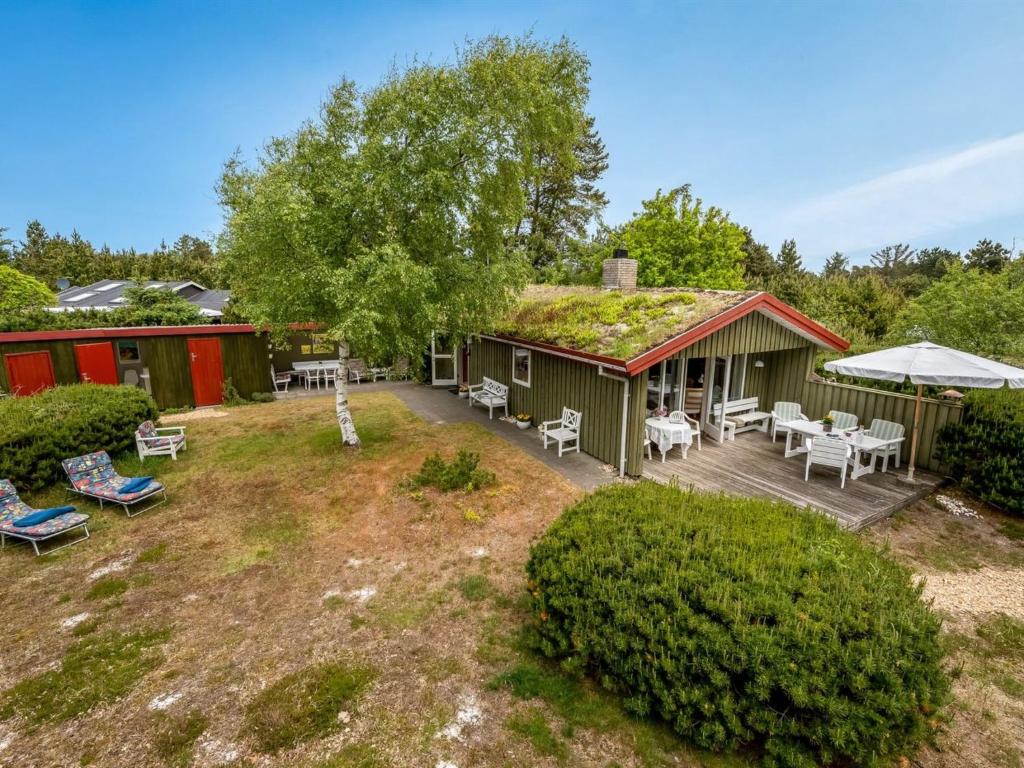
<point x="107" y="587"/>
<point x="175" y="741"/>
<point x="985" y="450"/>
<point x="561" y="200"/>
<point x="20" y="292"/>
<point x="48" y="257"/>
<point x="96" y="670"/>
<point x="153" y="554"/>
<point x="678" y="243"/>
<point x="741" y="622"/>
<point x="390" y="216"/>
<point x="155" y="306"/>
<point x="304" y="705"/>
<point x="534" y="727"/>
<point x="462" y="473"/>
<point x="476" y="587"/>
<point x="229" y="393"/>
<point x="606" y="322"/>
<point x="968" y="309"/>
<point x="263" y="397"/>
<point x="37" y="432"/>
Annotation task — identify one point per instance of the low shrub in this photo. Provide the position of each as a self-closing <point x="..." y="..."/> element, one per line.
<point x="985" y="450"/>
<point x="263" y="397"/>
<point x="37" y="432"/>
<point x="744" y="623"/>
<point x="304" y="705"/>
<point x="462" y="473"/>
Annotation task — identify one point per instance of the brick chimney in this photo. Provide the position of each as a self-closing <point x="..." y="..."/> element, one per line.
<point x="619" y="272"/>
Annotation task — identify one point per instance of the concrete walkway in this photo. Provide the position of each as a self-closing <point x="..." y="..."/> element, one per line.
<point x="439" y="406"/>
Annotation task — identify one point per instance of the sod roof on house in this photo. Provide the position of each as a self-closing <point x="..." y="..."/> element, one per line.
<point x="610" y="323"/>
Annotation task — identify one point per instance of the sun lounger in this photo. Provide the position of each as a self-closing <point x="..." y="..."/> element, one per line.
<point x="93" y="475"/>
<point x="13" y="508"/>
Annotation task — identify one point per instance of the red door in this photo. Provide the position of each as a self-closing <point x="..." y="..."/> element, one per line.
<point x="207" y="371"/>
<point x="96" y="363"/>
<point x="29" y="372"/>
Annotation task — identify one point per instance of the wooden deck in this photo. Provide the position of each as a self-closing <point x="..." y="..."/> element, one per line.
<point x="753" y="466"/>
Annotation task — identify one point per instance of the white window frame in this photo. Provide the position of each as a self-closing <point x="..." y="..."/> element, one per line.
<point x="529" y="366"/>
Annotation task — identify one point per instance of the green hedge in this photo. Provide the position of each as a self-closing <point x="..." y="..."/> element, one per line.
<point x="985" y="451"/>
<point x="37" y="432"/>
<point x="742" y="622"/>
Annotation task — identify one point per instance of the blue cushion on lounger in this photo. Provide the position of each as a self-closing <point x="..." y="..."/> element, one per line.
<point x="135" y="485"/>
<point x="41" y="516"/>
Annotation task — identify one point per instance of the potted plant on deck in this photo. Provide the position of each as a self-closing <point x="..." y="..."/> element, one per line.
<point x="826" y="423"/>
<point x="463" y="391"/>
<point x="523" y="420"/>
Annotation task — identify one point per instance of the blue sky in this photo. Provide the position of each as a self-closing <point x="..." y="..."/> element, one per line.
<point x="847" y="125"/>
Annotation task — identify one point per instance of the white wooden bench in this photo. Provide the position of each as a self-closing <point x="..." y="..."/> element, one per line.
<point x="491" y="394"/>
<point x="743" y="415"/>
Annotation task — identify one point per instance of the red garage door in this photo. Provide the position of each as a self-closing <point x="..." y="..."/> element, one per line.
<point x="96" y="363"/>
<point x="29" y="372"/>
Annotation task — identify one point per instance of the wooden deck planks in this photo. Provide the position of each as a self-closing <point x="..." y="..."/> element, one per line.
<point x="753" y="466"/>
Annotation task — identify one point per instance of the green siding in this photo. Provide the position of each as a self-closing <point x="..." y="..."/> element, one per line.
<point x="247" y="361"/>
<point x="557" y="382"/>
<point x="751" y="333"/>
<point x="62" y="354"/>
<point x="169" y="373"/>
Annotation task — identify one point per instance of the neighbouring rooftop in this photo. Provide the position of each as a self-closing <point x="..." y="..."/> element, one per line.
<point x="612" y="323"/>
<point x="109" y="294"/>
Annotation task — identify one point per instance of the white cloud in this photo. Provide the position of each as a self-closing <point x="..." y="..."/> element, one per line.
<point x="967" y="187"/>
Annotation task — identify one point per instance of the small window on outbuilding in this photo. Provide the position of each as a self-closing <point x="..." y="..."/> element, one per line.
<point x="521" y="366"/>
<point x="128" y="352"/>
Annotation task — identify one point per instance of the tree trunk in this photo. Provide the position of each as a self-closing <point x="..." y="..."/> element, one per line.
<point x="345" y="423"/>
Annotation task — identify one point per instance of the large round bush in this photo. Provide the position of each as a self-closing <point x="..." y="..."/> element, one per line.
<point x="37" y="432"/>
<point x="742" y="622"/>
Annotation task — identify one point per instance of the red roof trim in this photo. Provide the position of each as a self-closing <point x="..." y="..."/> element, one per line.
<point x="125" y="333"/>
<point x="718" y="322"/>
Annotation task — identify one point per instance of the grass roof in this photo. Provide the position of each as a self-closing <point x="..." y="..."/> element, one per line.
<point x="611" y="323"/>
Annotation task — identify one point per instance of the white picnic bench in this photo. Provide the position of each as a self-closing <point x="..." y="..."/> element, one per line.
<point x="742" y="415"/>
<point x="491" y="394"/>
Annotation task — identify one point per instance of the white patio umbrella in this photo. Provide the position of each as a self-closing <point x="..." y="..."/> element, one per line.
<point x="926" y="363"/>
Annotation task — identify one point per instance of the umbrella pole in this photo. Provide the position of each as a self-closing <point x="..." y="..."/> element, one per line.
<point x="916" y="431"/>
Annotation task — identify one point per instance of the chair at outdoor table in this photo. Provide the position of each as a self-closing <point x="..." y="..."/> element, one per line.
<point x="828" y="452"/>
<point x="890" y="431"/>
<point x="842" y="420"/>
<point x="783" y="412"/>
<point x="680" y="417"/>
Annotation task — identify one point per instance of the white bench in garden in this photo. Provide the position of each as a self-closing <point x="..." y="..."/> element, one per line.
<point x="491" y="394"/>
<point x="744" y="415"/>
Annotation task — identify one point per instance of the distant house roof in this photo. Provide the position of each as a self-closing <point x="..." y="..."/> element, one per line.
<point x="633" y="331"/>
<point x="109" y="294"/>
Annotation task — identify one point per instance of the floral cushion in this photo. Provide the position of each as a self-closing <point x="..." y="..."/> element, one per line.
<point x="153" y="439"/>
<point x="147" y="429"/>
<point x="12" y="508"/>
<point x="94" y="474"/>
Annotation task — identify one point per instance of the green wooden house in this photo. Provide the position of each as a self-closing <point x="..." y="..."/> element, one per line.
<point x="617" y="353"/>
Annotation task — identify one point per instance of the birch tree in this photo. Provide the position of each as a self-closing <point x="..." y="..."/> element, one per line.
<point x="389" y="216"/>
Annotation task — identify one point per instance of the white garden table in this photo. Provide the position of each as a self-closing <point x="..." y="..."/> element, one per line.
<point x="857" y="440"/>
<point x="664" y="434"/>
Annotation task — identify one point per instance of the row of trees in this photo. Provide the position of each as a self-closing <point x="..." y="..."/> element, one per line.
<point x="49" y="257"/>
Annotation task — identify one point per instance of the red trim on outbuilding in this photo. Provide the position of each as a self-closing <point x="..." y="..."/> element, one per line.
<point x="125" y="333"/>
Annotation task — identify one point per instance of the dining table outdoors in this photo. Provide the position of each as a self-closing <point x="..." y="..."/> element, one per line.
<point x="859" y="443"/>
<point x="303" y="369"/>
<point x="665" y="433"/>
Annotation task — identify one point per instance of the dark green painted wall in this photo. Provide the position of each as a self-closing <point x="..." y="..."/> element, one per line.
<point x="245" y="357"/>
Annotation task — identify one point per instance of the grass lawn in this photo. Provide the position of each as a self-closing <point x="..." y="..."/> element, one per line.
<point x="295" y="605"/>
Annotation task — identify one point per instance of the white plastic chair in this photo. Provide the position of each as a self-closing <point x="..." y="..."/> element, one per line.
<point x="842" y="420"/>
<point x="784" y="411"/>
<point x="329" y="375"/>
<point x="828" y="452"/>
<point x="280" y="379"/>
<point x="887" y="430"/>
<point x="680" y="417"/>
